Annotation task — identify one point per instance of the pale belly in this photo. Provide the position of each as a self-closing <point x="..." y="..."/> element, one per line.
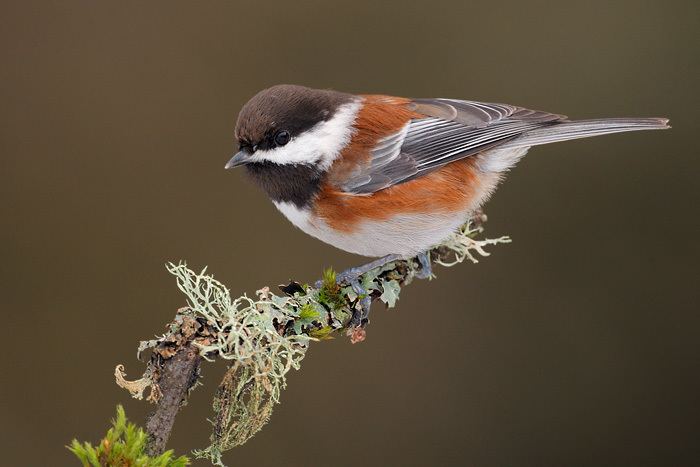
<point x="405" y="234"/>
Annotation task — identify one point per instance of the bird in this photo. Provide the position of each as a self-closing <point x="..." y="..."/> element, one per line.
<point x="390" y="177"/>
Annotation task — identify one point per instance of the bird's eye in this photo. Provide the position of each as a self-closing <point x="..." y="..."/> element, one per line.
<point x="282" y="137"/>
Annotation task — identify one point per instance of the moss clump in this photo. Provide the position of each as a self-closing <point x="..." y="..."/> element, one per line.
<point x="329" y="294"/>
<point x="124" y="445"/>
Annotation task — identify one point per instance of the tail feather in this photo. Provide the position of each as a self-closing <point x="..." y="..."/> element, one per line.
<point x="566" y="130"/>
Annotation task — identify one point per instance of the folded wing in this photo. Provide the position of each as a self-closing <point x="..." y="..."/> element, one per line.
<point x="455" y="129"/>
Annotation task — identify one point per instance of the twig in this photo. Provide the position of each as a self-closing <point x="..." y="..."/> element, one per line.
<point x="177" y="376"/>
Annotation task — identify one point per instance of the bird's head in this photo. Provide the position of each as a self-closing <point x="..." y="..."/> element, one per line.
<point x="294" y="125"/>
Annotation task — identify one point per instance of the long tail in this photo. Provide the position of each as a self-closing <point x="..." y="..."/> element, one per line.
<point x="566" y="130"/>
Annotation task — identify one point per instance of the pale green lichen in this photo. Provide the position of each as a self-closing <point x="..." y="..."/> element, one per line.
<point x="462" y="243"/>
<point x="246" y="331"/>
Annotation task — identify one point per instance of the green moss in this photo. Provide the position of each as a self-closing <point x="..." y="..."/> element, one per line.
<point x="124" y="445"/>
<point x="322" y="333"/>
<point x="329" y="294"/>
<point x="308" y="313"/>
<point x="329" y="279"/>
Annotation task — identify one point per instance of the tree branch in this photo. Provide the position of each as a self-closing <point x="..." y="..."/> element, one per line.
<point x="263" y="338"/>
<point x="178" y="375"/>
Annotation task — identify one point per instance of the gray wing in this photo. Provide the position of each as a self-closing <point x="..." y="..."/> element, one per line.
<point x="451" y="130"/>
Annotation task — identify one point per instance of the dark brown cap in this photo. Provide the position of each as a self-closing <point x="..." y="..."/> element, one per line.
<point x="285" y="107"/>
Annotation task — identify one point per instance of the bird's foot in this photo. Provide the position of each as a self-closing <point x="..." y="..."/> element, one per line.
<point x="426" y="269"/>
<point x="351" y="277"/>
<point x="478" y="218"/>
<point x="354" y="273"/>
<point x="360" y="317"/>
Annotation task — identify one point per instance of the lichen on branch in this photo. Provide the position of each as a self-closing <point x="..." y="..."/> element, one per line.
<point x="265" y="336"/>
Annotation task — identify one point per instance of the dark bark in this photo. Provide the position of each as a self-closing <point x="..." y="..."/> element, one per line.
<point x="176" y="376"/>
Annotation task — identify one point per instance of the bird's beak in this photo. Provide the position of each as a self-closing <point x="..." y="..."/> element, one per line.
<point x="241" y="158"/>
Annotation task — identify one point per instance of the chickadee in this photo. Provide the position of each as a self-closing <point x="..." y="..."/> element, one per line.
<point x="386" y="176"/>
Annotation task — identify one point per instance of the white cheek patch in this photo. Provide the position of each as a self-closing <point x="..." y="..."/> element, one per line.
<point x="321" y="144"/>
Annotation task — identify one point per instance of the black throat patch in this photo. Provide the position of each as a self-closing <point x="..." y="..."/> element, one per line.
<point x="288" y="183"/>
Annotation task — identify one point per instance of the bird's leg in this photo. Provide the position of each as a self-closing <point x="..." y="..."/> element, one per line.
<point x="352" y="276"/>
<point x="426" y="269"/>
<point x="354" y="273"/>
<point x="360" y="318"/>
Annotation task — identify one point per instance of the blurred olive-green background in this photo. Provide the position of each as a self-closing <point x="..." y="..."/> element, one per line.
<point x="575" y="345"/>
